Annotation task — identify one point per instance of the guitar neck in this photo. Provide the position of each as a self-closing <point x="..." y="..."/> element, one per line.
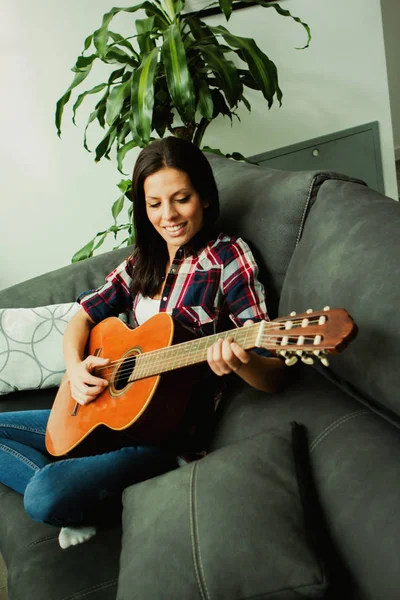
<point x="193" y="352"/>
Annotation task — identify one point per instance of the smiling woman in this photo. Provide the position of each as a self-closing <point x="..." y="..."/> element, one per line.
<point x="180" y="266"/>
<point x="177" y="213"/>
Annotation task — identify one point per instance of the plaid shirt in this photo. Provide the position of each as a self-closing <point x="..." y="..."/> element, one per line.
<point x="208" y="286"/>
<point x="205" y="287"/>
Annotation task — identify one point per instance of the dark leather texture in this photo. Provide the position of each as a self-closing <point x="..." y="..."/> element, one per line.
<point x="320" y="239"/>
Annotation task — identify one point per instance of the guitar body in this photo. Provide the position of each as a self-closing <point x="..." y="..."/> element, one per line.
<point x="147" y="411"/>
<point x="149" y="389"/>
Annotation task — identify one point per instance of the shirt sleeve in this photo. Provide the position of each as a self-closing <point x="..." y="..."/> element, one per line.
<point x="243" y="292"/>
<point x="113" y="297"/>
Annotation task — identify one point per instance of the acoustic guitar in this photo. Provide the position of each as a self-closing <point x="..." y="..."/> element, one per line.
<point x="153" y="368"/>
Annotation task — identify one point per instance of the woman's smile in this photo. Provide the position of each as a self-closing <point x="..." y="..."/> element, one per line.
<point x="173" y="207"/>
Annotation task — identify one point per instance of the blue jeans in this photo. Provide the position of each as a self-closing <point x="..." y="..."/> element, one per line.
<point x="70" y="491"/>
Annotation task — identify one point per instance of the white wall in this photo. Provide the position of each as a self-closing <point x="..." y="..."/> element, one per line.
<point x="391" y="24"/>
<point x="54" y="197"/>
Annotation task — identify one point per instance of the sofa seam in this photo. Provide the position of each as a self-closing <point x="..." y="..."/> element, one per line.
<point x="94" y="588"/>
<point x="44" y="539"/>
<point x="194" y="534"/>
<point x="304" y="586"/>
<point x="334" y="426"/>
<point x="323" y="176"/>
<point x="303" y="216"/>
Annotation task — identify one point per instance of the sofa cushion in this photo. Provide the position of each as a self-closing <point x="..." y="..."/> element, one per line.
<point x="38" y="569"/>
<point x="228" y="526"/>
<point x="31" y="339"/>
<point x="348" y="257"/>
<point x="267" y="207"/>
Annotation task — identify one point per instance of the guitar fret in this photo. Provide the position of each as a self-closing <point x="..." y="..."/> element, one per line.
<point x="189" y="353"/>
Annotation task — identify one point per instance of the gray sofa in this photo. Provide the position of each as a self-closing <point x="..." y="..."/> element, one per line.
<point x="249" y="520"/>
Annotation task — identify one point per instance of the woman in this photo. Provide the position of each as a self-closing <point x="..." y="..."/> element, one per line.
<point x="178" y="266"/>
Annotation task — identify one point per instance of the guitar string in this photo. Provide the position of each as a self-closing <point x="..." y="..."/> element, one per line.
<point x="170" y="357"/>
<point x="143" y="362"/>
<point x="146" y="367"/>
<point x="270" y="325"/>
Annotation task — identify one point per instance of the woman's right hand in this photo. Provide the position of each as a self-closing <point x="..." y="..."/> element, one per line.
<point x="85" y="386"/>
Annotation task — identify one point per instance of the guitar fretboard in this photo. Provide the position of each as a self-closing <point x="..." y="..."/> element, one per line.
<point x="191" y="353"/>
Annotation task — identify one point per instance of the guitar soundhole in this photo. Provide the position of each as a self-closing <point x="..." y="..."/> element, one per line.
<point x="123" y="373"/>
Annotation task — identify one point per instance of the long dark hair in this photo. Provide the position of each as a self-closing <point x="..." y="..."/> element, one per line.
<point x="151" y="253"/>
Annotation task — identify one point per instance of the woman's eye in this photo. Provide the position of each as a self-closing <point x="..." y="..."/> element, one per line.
<point x="183" y="200"/>
<point x="155" y="205"/>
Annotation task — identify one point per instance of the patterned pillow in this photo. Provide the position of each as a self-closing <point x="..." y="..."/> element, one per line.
<point x="31" y="355"/>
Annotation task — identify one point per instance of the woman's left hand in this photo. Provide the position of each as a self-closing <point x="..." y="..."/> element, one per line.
<point x="226" y="355"/>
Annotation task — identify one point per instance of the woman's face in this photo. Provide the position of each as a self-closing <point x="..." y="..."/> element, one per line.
<point x="173" y="207"/>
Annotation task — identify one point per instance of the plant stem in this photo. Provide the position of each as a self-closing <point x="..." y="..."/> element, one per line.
<point x="198" y="136"/>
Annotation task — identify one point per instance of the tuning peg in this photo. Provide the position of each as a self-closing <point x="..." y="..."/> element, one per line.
<point x="293" y="313"/>
<point x="327" y="308"/>
<point x="307" y="360"/>
<point x="290" y="361"/>
<point x="309" y="311"/>
<point x="324" y="361"/>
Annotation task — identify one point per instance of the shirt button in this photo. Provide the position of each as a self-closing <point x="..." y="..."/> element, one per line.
<point x="165" y="299"/>
<point x="173" y="270"/>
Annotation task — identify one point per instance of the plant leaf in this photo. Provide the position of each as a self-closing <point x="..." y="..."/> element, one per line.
<point x="144" y="28"/>
<point x="142" y="98"/>
<point x="101" y="35"/>
<point x="105" y="145"/>
<point x="285" y="13"/>
<point x="88" y="42"/>
<point x="224" y="71"/>
<point x="81" y="98"/>
<point x="124" y="185"/>
<point x="122" y="151"/>
<point x="179" y="81"/>
<point x="116" y="55"/>
<point x="79" y="77"/>
<point x="121" y="41"/>
<point x="226" y="8"/>
<point x="85" y="252"/>
<point x="234" y="155"/>
<point x="260" y="66"/>
<point x="100" y="242"/>
<point x="116" y="100"/>
<point x="117" y="207"/>
<point x="205" y="104"/>
<point x="116" y="74"/>
<point x="82" y="62"/>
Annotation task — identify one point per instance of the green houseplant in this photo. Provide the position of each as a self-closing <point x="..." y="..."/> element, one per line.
<point x="173" y="75"/>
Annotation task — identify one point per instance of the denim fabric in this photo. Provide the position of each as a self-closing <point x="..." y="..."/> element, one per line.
<point x="69" y="491"/>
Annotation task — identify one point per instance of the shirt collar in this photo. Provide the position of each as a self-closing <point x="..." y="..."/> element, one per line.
<point x="198" y="242"/>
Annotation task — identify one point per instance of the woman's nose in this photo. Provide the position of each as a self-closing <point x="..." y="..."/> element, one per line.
<point x="169" y="211"/>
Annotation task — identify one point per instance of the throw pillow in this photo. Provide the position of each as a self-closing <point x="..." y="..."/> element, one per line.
<point x="31" y="355"/>
<point x="227" y="527"/>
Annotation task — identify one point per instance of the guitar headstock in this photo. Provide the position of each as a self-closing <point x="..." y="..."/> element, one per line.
<point x="309" y="335"/>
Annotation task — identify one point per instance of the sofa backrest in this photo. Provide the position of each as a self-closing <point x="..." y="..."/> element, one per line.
<point x="64" y="284"/>
<point x="349" y="256"/>
<point x="268" y="208"/>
